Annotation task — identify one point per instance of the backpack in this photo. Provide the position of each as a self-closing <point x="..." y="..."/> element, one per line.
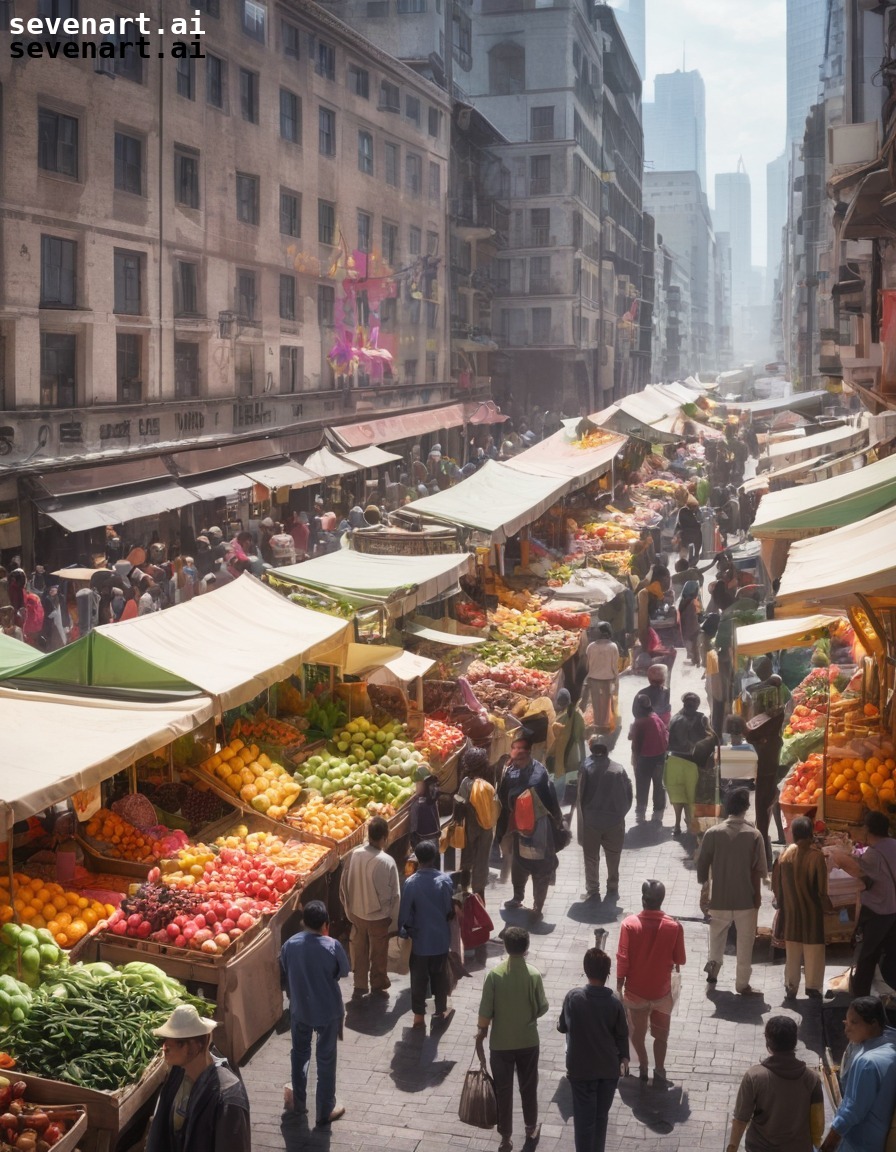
<point x="524" y="813"/>
<point x="34" y="614"/>
<point x="484" y="803"/>
<point x="476" y="925"/>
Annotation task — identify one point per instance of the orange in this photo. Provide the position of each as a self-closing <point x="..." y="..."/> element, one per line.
<point x="842" y="795"/>
<point x="53" y="926"/>
<point x="850" y="773"/>
<point x="63" y="919"/>
<point x="62" y="940"/>
<point x="876" y="779"/>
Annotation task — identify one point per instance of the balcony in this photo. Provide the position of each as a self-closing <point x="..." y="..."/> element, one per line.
<point x="553" y="337"/>
<point x="479" y="218"/>
<point x="540" y="186"/>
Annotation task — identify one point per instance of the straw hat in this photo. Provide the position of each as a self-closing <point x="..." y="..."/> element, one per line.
<point x="185" y="1023"/>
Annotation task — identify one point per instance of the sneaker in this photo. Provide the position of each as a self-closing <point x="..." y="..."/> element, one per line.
<point x="533" y="1134"/>
<point x="789" y="993"/>
<point x="289" y="1102"/>
<point x="337" y="1114"/>
<point x="442" y="1019"/>
<point x="513" y="902"/>
<point x="814" y="994"/>
<point x="747" y="990"/>
<point x="711" y="968"/>
<point x="506" y="1144"/>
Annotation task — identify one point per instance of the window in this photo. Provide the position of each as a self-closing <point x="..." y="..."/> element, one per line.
<point x="128" y="373"/>
<point x="247" y="200"/>
<point x="390" y="97"/>
<point x="128" y="283"/>
<point x="290" y="117"/>
<point x="415" y="239"/>
<point x="327" y="132"/>
<point x="58" y="260"/>
<point x="215" y="76"/>
<point x="326" y="299"/>
<point x="539" y="274"/>
<point x="254" y="18"/>
<point x="410" y="371"/>
<point x="432" y="315"/>
<point x="245" y="294"/>
<point x="435" y="181"/>
<point x="186" y="370"/>
<point x="249" y="95"/>
<point x="506" y="69"/>
<point x="186" y="288"/>
<point x="541" y="325"/>
<point x="412" y="167"/>
<point x="390" y="242"/>
<point x="289" y="39"/>
<point x="58" y="353"/>
<point x="412" y="109"/>
<point x="287" y="297"/>
<point x="244" y="372"/>
<point x="57" y="142"/>
<point x="186" y="177"/>
<point x="432" y="366"/>
<point x="289" y="369"/>
<point x="405" y="6"/>
<point x="185" y="70"/>
<point x="290" y="213"/>
<point x="128" y="164"/>
<point x="390" y="164"/>
<point x="541" y="123"/>
<point x="539" y="175"/>
<point x="365" y="232"/>
<point x="365" y="153"/>
<point x="540" y="227"/>
<point x="130" y="65"/>
<point x="326" y="222"/>
<point x="359" y="81"/>
<point x="432" y="243"/>
<point x="462" y="39"/>
<point x="325" y="60"/>
<point x="434" y="122"/>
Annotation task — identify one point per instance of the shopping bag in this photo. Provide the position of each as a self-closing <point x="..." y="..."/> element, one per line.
<point x="454" y="836"/>
<point x="398" y="959"/>
<point x="476" y="925"/>
<point x="676" y="991"/>
<point x="478" y="1104"/>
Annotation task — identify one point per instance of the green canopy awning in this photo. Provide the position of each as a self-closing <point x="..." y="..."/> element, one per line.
<point x="16" y="656"/>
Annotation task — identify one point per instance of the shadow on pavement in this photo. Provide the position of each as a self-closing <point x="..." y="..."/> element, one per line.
<point x="414" y="1067"/>
<point x="737" y="1008"/>
<point x="646" y="835"/>
<point x="563" y="1099"/>
<point x="298" y="1137"/>
<point x="658" y="1109"/>
<point x="593" y="912"/>
<point x="371" y="1017"/>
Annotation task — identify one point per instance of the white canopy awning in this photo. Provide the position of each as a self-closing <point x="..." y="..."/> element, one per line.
<point x="55" y="745"/>
<point x="803" y="448"/>
<point x="218" y="489"/>
<point x="559" y="455"/>
<point x="796" y="401"/>
<point x="437" y="636"/>
<point x="411" y="580"/>
<point x="372" y="457"/>
<point x="287" y="475"/>
<point x="772" y="635"/>
<point x="497" y="499"/>
<point x="324" y="464"/>
<point x="124" y="509"/>
<point x="235" y="641"/>
<point x="831" y="568"/>
<point x="360" y="658"/>
<point x="403" y="668"/>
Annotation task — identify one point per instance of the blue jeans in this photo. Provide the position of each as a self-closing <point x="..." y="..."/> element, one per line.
<point x="591" y="1103"/>
<point x="327" y="1035"/>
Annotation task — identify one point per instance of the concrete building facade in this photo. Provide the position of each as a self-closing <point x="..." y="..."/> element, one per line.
<point x="675" y="125"/>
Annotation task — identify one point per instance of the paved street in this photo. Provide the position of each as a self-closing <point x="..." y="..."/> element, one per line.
<point x="401" y="1087"/>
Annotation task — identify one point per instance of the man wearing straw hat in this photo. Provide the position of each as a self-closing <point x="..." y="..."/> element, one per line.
<point x="203" y="1106"/>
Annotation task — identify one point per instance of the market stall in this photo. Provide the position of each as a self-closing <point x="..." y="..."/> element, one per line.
<point x="795" y="451"/>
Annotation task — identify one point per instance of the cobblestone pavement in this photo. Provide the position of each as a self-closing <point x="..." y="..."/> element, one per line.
<point x="401" y="1087"/>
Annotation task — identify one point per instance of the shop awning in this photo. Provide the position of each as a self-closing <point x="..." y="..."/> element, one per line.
<point x="404" y="668"/>
<point x="401" y="426"/>
<point x="797" y="401"/>
<point x="235" y="641"/>
<point x="831" y="441"/>
<point x="626" y="420"/>
<point x="56" y="745"/>
<point x="437" y="636"/>
<point x="410" y="580"/>
<point x="829" y="569"/>
<point x="866" y="217"/>
<point x="16" y="656"/>
<point x="559" y="455"/>
<point x="497" y="500"/>
<point x="371" y="457"/>
<point x="793" y="472"/>
<point x="827" y="503"/>
<point x="487" y="412"/>
<point x="220" y="489"/>
<point x="285" y="475"/>
<point x="772" y="635"/>
<point x="73" y="481"/>
<point x="360" y="658"/>
<point x="149" y="502"/>
<point x="324" y="464"/>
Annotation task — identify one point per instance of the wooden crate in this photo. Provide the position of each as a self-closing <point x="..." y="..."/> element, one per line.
<point x="846" y="811"/>
<point x="97" y="862"/>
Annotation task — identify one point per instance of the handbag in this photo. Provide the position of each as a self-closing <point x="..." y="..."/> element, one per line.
<point x="398" y="956"/>
<point x="454" y="836"/>
<point x="476" y="926"/>
<point x="478" y="1103"/>
<point x="561" y="834"/>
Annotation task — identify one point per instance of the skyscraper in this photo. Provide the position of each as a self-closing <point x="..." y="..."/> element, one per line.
<point x="732" y="214"/>
<point x="806" y="23"/>
<point x="675" y="125"/>
<point x="776" y="215"/>
<point x="631" y="18"/>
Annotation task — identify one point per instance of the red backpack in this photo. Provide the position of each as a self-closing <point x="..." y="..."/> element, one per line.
<point x="476" y="925"/>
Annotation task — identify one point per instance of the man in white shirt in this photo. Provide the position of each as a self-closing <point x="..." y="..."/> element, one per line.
<point x="602" y="661"/>
<point x="370" y="896"/>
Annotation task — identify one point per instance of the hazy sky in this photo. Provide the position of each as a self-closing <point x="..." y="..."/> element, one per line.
<point x="738" y="46"/>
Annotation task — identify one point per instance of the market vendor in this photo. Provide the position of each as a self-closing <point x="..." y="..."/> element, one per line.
<point x="203" y="1106"/>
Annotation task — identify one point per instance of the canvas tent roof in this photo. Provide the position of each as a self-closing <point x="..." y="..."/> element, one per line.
<point x="832" y="440"/>
<point x="859" y="557"/>
<point x="772" y="635"/>
<point x="558" y="455"/>
<point x="796" y="401"/>
<point x="323" y="464"/>
<point x="235" y="641"/>
<point x="411" y="579"/>
<point x="121" y="510"/>
<point x="497" y="500"/>
<point x="828" y="503"/>
<point x="56" y="745"/>
<point x="372" y="457"/>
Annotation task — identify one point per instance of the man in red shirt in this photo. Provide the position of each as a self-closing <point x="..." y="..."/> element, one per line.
<point x="651" y="944"/>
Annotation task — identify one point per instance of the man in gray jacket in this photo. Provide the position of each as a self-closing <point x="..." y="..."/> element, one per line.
<point x="604" y="799"/>
<point x="733" y="854"/>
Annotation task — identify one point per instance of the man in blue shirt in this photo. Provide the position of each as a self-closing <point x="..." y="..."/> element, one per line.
<point x="311" y="966"/>
<point x="425" y="910"/>
<point x="868" y="1086"/>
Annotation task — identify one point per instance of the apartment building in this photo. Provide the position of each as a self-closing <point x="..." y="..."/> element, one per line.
<point x="202" y="249"/>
